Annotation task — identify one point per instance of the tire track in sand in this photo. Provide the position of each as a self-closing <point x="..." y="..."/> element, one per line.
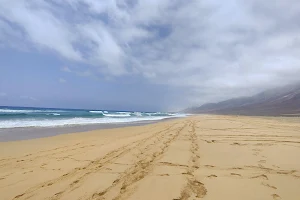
<point x="127" y="183"/>
<point x="90" y="168"/>
<point x="193" y="188"/>
<point x="56" y="151"/>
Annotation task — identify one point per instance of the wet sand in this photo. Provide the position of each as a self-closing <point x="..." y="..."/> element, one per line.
<point x="199" y="157"/>
<point x="26" y="133"/>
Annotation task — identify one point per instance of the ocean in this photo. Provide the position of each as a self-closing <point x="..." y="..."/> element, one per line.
<point x="18" y="117"/>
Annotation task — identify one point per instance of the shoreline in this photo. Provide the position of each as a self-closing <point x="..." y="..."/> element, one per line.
<point x="28" y="133"/>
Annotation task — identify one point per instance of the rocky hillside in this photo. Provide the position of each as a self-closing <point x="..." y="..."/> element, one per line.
<point x="279" y="101"/>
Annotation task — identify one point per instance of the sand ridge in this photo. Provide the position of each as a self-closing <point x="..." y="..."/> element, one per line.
<point x="199" y="157"/>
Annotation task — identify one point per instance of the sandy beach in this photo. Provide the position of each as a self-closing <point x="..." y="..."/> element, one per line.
<point x="199" y="157"/>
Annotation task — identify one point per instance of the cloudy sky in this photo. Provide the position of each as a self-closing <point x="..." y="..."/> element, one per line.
<point x="144" y="54"/>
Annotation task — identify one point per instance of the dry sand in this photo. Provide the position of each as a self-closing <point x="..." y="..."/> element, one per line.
<point x="201" y="157"/>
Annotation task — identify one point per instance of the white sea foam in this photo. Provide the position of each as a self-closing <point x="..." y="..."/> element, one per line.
<point x="55" y="114"/>
<point x="114" y="114"/>
<point x="28" y="111"/>
<point x="16" y="111"/>
<point x="118" y="115"/>
<point x="69" y="122"/>
<point x="96" y="111"/>
<point x="139" y="114"/>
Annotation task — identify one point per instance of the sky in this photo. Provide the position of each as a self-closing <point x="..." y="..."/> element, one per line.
<point x="146" y="55"/>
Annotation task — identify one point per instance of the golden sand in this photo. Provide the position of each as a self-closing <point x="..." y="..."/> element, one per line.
<point x="201" y="157"/>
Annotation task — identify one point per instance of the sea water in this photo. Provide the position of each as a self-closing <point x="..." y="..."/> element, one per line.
<point x="13" y="117"/>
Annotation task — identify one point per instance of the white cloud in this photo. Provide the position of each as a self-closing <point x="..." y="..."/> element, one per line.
<point x="210" y="49"/>
<point x="41" y="26"/>
<point x="66" y="69"/>
<point x="61" y="80"/>
<point x="86" y="73"/>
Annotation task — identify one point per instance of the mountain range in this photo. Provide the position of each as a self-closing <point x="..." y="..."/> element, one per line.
<point x="283" y="101"/>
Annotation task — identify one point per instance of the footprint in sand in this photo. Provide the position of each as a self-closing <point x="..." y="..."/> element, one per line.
<point x="256" y="150"/>
<point x="269" y="186"/>
<point x="239" y="168"/>
<point x="163" y="175"/>
<point x="25" y="172"/>
<point x="212" y="176"/>
<point x="276" y="196"/>
<point x="262" y="161"/>
<point x="209" y="166"/>
<point x="235" y="174"/>
<point x="263" y="176"/>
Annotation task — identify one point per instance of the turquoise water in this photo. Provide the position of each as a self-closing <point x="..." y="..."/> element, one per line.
<point x="12" y="117"/>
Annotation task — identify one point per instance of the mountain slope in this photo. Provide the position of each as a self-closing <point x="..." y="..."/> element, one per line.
<point x="279" y="101"/>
